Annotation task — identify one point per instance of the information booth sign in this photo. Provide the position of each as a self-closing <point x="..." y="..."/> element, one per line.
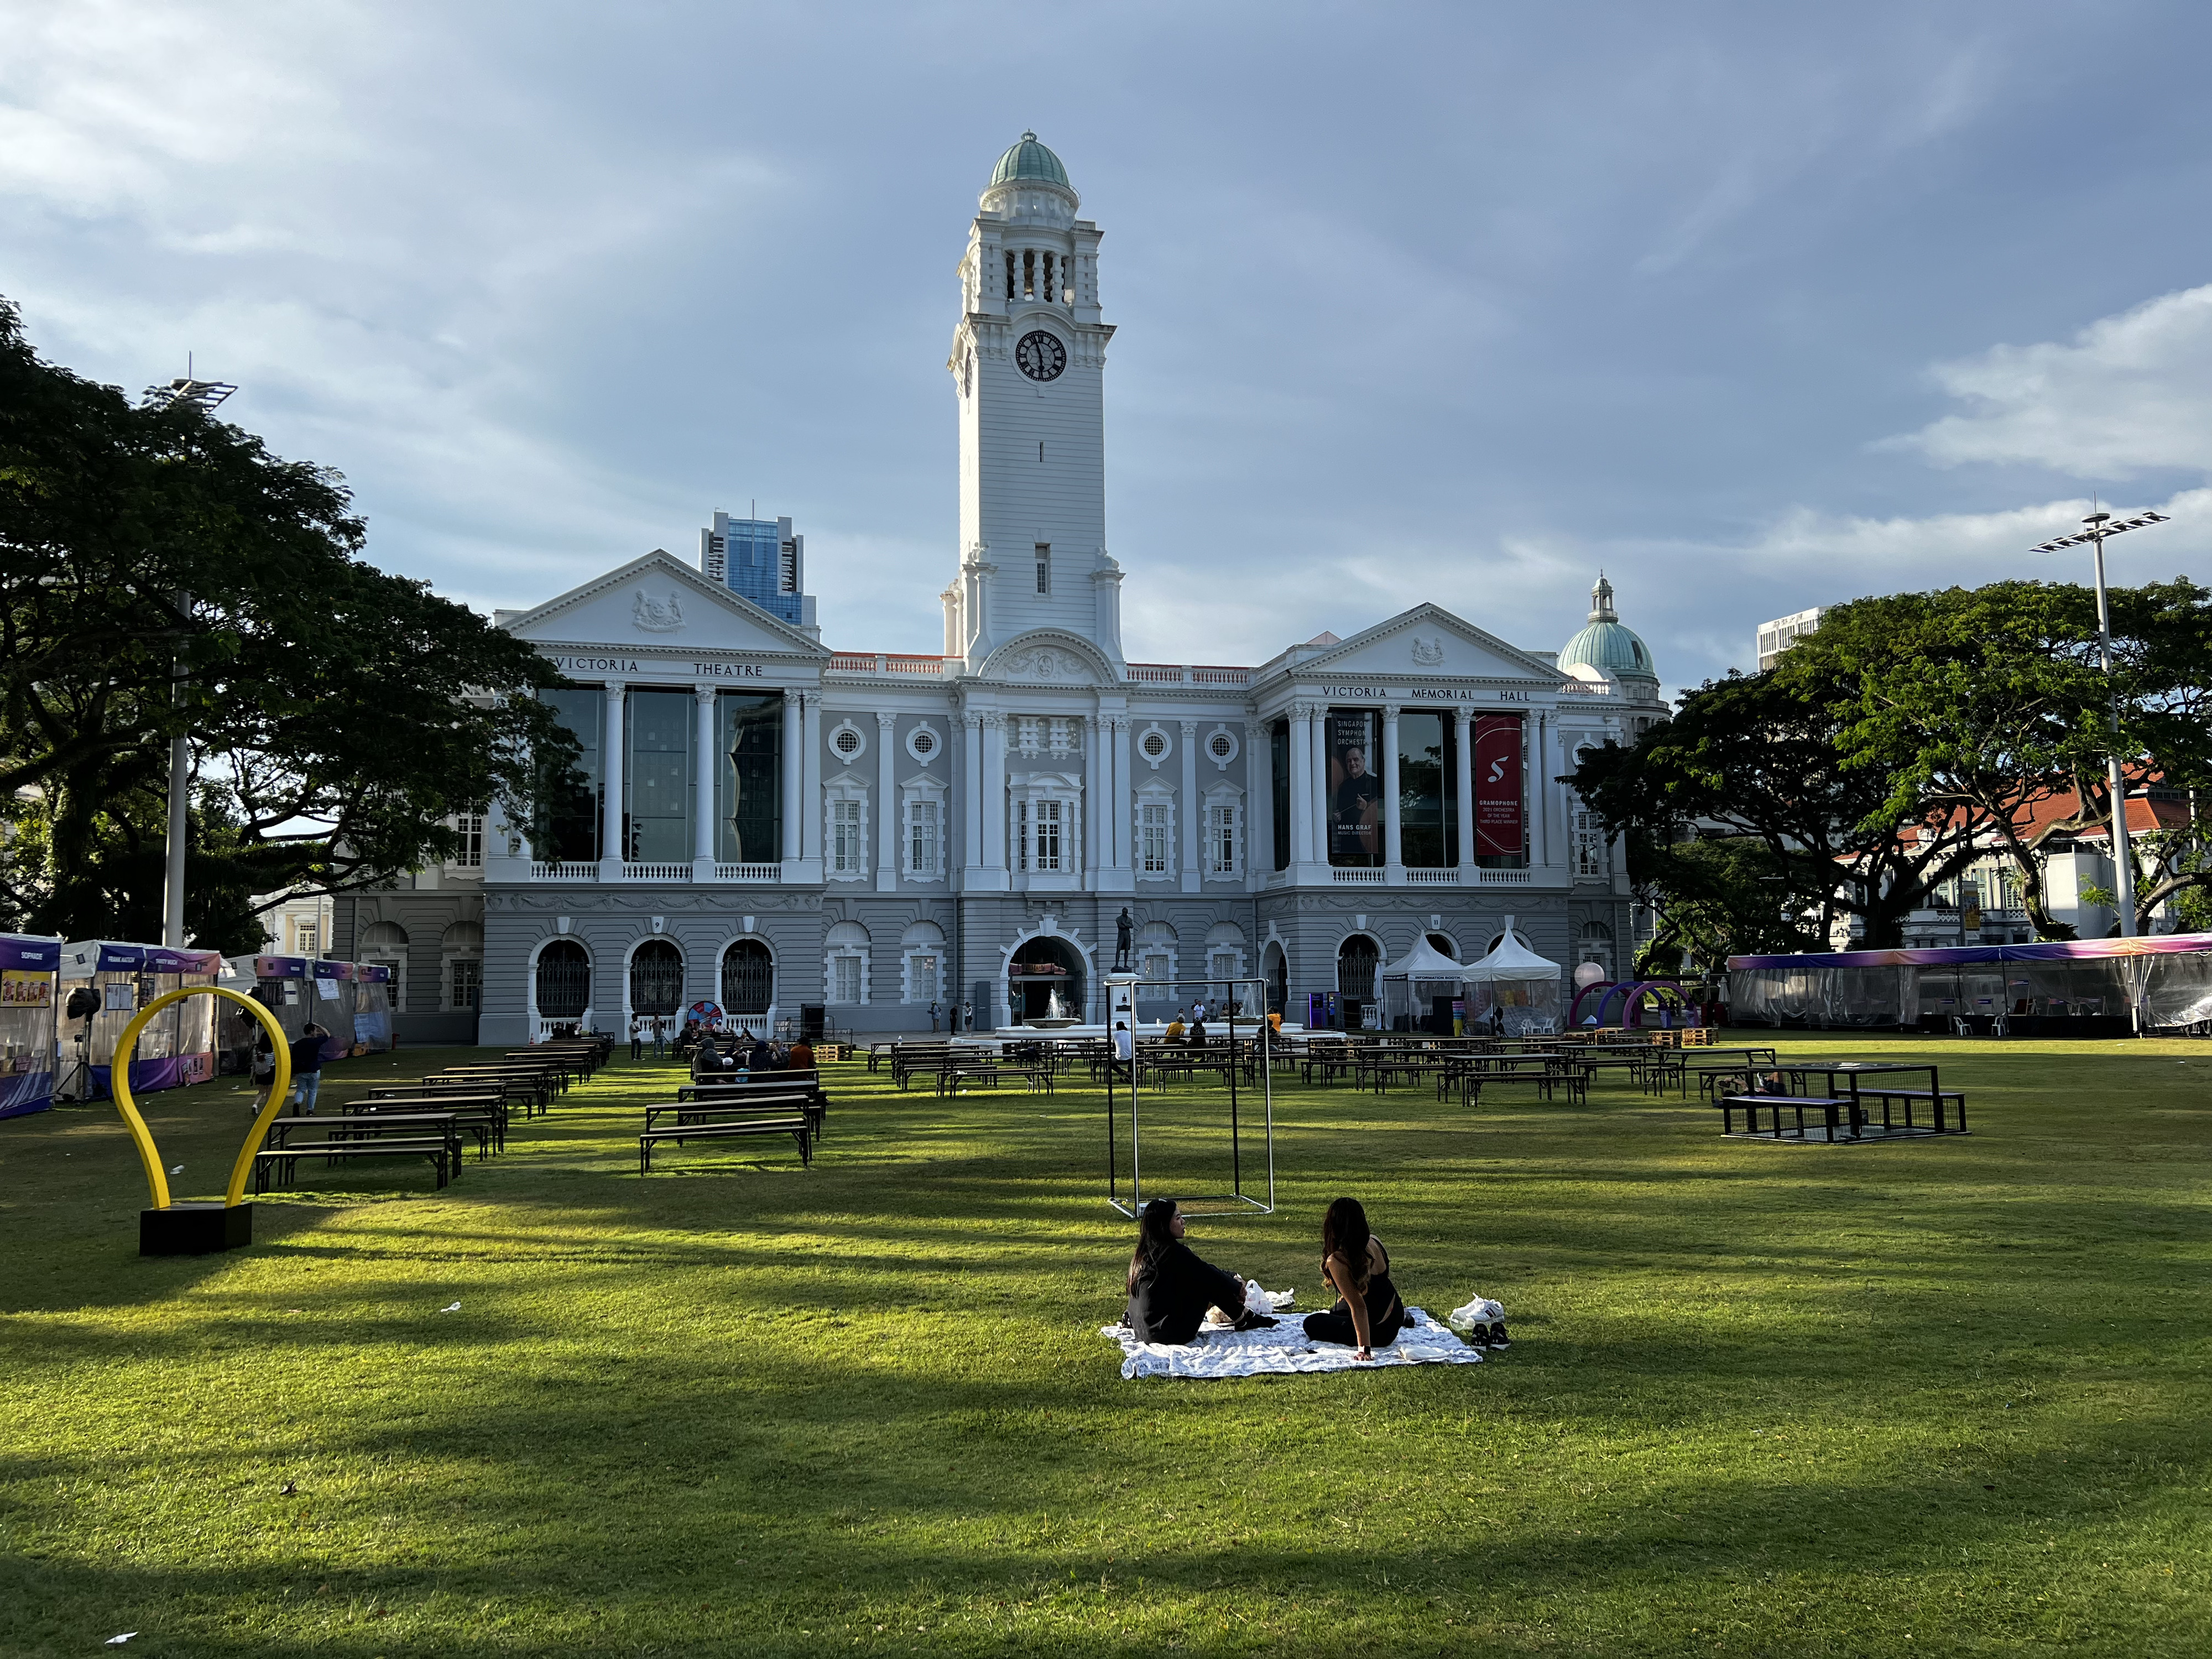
<point x="1158" y="1086"/>
<point x="28" y="966"/>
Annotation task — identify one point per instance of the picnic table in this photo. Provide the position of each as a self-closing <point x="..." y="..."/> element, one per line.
<point x="1848" y="1087"/>
<point x="950" y="1077"/>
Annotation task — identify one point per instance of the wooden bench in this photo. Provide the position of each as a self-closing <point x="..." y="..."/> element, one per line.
<point x="1039" y="1077"/>
<point x="1841" y="1118"/>
<point x="814" y="1111"/>
<point x="487" y="1123"/>
<point x="283" y="1162"/>
<point x="794" y="1127"/>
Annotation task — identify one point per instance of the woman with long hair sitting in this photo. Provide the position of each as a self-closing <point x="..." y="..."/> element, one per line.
<point x="1355" y="1265"/>
<point x="1170" y="1288"/>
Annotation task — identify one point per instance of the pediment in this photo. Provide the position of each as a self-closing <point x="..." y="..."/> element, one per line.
<point x="1427" y="640"/>
<point x="659" y="602"/>
<point x="1050" y="657"/>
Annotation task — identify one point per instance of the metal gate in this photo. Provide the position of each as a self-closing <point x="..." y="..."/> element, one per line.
<point x="564" y="981"/>
<point x="656" y="978"/>
<point x="748" y="978"/>
<point x="1355" y="970"/>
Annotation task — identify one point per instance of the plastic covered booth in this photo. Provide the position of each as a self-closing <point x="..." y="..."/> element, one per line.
<point x="372" y="1008"/>
<point x="28" y="968"/>
<point x="1419" y="990"/>
<point x="177" y="1047"/>
<point x="2097" y="987"/>
<point x="1514" y="989"/>
<point x="298" y="990"/>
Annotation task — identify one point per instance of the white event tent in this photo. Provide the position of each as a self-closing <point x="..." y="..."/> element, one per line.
<point x="1515" y="978"/>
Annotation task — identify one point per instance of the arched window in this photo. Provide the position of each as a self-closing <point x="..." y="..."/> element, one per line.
<point x="460" y="967"/>
<point x="748" y="979"/>
<point x="846" y="963"/>
<point x="1441" y="943"/>
<point x="384" y="943"/>
<point x="564" y="981"/>
<point x="656" y="978"/>
<point x="1155" y="950"/>
<point x="1224" y="954"/>
<point x="923" y="951"/>
<point x="1278" y="969"/>
<point x="1356" y="961"/>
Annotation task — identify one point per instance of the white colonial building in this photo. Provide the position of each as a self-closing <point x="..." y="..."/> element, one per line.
<point x="773" y="826"/>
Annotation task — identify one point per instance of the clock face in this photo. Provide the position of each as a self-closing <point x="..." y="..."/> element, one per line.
<point x="1039" y="356"/>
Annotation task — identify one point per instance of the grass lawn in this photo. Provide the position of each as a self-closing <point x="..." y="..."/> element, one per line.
<point x="1929" y="1398"/>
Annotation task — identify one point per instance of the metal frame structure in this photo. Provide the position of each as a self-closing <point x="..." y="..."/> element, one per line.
<point x="1122" y="1002"/>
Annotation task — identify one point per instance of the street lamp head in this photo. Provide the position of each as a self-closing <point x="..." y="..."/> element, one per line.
<point x="2097" y="518"/>
<point x="2100" y="525"/>
<point x="204" y="395"/>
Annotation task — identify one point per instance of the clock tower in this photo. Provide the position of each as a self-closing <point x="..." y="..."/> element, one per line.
<point x="1028" y="363"/>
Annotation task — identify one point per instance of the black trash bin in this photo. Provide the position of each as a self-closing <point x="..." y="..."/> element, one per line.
<point x="810" y="1021"/>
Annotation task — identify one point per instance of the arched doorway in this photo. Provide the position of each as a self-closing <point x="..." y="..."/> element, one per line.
<point x="1277" y="970"/>
<point x="748" y="983"/>
<point x="1042" y="970"/>
<point x="1358" y="960"/>
<point x="563" y="981"/>
<point x="656" y="978"/>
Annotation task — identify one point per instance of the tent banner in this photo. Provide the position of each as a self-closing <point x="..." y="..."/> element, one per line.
<point x="1498" y="816"/>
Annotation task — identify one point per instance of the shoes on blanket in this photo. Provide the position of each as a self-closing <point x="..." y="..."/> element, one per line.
<point x="1248" y="1321"/>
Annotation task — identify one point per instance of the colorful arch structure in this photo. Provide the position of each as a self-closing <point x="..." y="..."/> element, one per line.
<point x="1634" y="994"/>
<point x="169" y="1228"/>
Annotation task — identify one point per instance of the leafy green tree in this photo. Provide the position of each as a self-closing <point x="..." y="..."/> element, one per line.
<point x="1990" y="707"/>
<point x="1762" y="757"/>
<point x="161" y="571"/>
<point x="1728" y="895"/>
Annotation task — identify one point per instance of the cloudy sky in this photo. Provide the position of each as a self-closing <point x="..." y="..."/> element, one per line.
<point x="1756" y="307"/>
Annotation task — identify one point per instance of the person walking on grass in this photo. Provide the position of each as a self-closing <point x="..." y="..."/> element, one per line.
<point x="307" y="1067"/>
<point x="637" y="1036"/>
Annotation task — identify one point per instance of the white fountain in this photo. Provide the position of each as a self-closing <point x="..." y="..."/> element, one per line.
<point x="1056" y="1016"/>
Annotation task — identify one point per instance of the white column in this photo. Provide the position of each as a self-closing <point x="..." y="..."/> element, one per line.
<point x="887" y="812"/>
<point x="1258" y="805"/>
<point x="703" y="790"/>
<point x="611" y="748"/>
<point x="810" y="783"/>
<point x="1095" y="850"/>
<point x="1394" y="857"/>
<point x="1319" y="804"/>
<point x="1538" y="771"/>
<point x="1302" y="785"/>
<point x="793" y="730"/>
<point x="1125" y="802"/>
<point x="1463" y="735"/>
<point x="994" y="796"/>
<point x="971" y="795"/>
<point x="1192" y="810"/>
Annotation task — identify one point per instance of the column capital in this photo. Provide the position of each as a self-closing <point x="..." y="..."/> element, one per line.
<point x="1391" y="710"/>
<point x="885" y="719"/>
<point x="990" y="718"/>
<point x="1190" y="730"/>
<point x="705" y="693"/>
<point x="614" y="689"/>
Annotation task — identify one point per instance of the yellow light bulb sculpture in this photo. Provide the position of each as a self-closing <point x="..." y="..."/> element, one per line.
<point x="170" y="1228"/>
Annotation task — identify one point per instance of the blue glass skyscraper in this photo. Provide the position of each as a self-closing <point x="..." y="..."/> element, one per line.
<point x="761" y="560"/>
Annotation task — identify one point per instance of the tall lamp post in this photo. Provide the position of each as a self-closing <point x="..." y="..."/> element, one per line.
<point x="2095" y="529"/>
<point x="205" y="396"/>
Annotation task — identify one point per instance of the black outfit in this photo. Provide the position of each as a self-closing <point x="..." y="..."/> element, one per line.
<point x="1174" y="1292"/>
<point x="1386" y="1315"/>
<point x="1349" y="827"/>
<point x="307" y="1057"/>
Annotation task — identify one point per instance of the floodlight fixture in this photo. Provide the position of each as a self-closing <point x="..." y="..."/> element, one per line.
<point x="2095" y="530"/>
<point x="202" y="395"/>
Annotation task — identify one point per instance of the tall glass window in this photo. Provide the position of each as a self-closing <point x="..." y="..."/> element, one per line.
<point x="748" y="779"/>
<point x="568" y="816"/>
<point x="1428" y="791"/>
<point x="1279" y="747"/>
<point x="1355" y="790"/>
<point x="657" y="776"/>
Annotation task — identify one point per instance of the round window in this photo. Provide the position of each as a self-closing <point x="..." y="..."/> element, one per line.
<point x="1222" y="746"/>
<point x="1155" y="744"/>
<point x="845" y="741"/>
<point x="924" y="744"/>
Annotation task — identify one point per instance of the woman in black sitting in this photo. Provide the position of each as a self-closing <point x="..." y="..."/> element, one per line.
<point x="1355" y="1265"/>
<point x="1170" y="1288"/>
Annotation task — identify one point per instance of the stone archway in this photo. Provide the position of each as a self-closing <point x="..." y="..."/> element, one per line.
<point x="1041" y="967"/>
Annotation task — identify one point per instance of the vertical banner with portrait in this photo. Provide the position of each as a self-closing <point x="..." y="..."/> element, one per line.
<point x="1355" y="788"/>
<point x="1499" y="828"/>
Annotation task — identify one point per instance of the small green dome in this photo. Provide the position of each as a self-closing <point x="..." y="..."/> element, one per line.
<point x="1606" y="645"/>
<point x="1030" y="160"/>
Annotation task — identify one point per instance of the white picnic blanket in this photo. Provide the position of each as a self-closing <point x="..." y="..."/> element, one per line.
<point x="1284" y="1349"/>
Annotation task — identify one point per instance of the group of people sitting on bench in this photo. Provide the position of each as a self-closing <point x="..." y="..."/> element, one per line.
<point x="1171" y="1288"/>
<point x="749" y="1053"/>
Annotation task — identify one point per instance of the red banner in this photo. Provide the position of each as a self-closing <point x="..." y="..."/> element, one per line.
<point x="1497" y="826"/>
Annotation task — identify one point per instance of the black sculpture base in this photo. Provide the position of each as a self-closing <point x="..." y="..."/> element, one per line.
<point x="195" y="1229"/>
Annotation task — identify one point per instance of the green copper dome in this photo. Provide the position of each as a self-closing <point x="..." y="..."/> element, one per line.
<point x="1606" y="645"/>
<point x="1030" y="160"/>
